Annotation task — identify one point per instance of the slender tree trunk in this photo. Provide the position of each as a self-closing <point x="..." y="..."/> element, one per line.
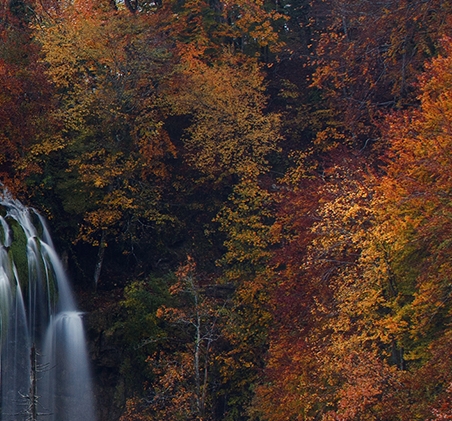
<point x="196" y="356"/>
<point x="206" y="374"/>
<point x="100" y="259"/>
<point x="33" y="386"/>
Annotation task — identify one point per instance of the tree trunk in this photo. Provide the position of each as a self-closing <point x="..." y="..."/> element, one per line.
<point x="33" y="396"/>
<point x="100" y="259"/>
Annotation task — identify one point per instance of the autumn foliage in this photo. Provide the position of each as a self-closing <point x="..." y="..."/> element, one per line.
<point x="254" y="198"/>
<point x="362" y="302"/>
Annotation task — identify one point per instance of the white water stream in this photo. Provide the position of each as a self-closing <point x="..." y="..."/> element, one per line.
<point x="45" y="373"/>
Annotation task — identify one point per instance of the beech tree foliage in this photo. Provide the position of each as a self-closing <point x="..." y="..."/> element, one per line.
<point x="364" y="278"/>
<point x="112" y="144"/>
<point x="298" y="152"/>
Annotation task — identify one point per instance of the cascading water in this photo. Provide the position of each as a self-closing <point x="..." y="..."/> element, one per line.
<point x="44" y="363"/>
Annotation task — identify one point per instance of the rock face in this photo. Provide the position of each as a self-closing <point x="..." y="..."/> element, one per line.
<point x="106" y="357"/>
<point x="109" y="387"/>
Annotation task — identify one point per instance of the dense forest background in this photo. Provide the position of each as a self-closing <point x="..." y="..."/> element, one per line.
<point x="253" y="199"/>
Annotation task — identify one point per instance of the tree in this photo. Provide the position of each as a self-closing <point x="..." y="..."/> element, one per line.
<point x="26" y="96"/>
<point x="336" y="347"/>
<point x="415" y="191"/>
<point x="363" y="302"/>
<point x="183" y="385"/>
<point x="230" y="132"/>
<point x="107" y="164"/>
<point x="321" y="315"/>
<point x="368" y="58"/>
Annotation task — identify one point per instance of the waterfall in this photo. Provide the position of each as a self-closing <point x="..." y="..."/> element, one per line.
<point x="45" y="372"/>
